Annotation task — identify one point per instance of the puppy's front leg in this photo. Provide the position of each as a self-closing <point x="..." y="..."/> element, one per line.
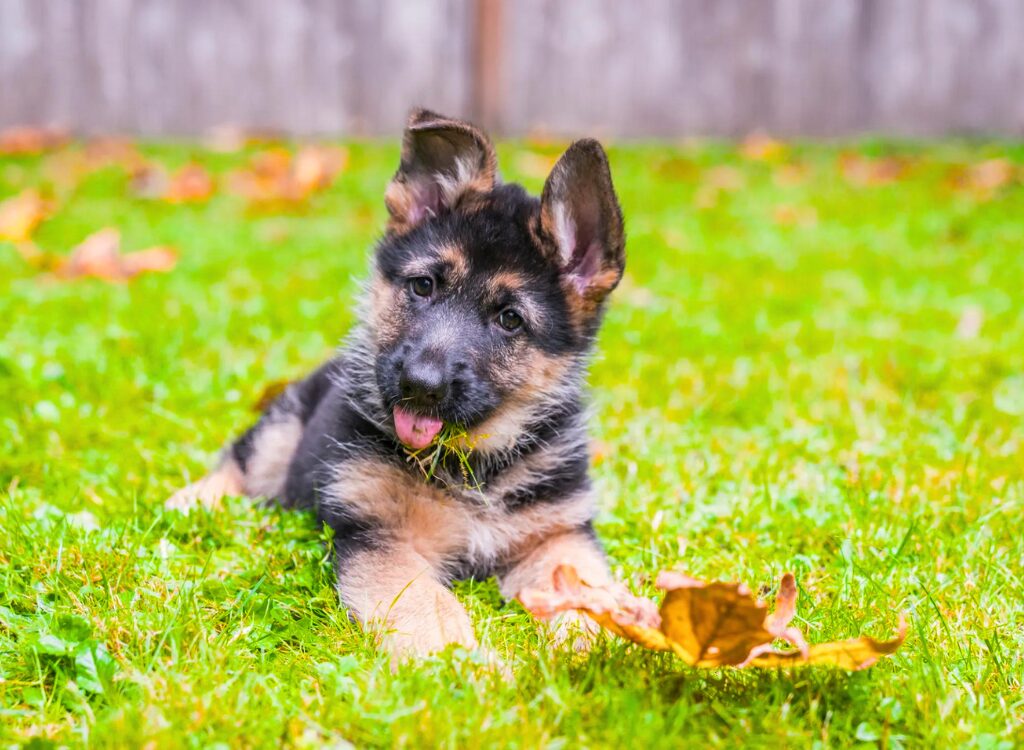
<point x="393" y="590"/>
<point x="227" y="479"/>
<point x="535" y="570"/>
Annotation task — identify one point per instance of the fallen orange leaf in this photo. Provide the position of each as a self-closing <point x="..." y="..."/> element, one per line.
<point x="148" y="180"/>
<point x="762" y="147"/>
<point x="21" y="141"/>
<point x="315" y="167"/>
<point x="190" y="184"/>
<point x="274" y="177"/>
<point x="705" y="624"/>
<point x="612" y="607"/>
<point x="863" y="171"/>
<point x="99" y="256"/>
<point x="20" y="215"/>
<point x="984" y="179"/>
<point x="104" y="152"/>
<point x="159" y="259"/>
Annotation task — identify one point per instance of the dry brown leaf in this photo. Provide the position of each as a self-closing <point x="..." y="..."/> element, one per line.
<point x="148" y="180"/>
<point x="612" y="607"/>
<point x="985" y="179"/>
<point x="705" y="624"/>
<point x="119" y="152"/>
<point x="21" y="214"/>
<point x="276" y="178"/>
<point x="159" y="259"/>
<point x="265" y="178"/>
<point x="21" y="141"/>
<point x="762" y="147"/>
<point x="190" y="184"/>
<point x="863" y="171"/>
<point x="315" y="167"/>
<point x="721" y="624"/>
<point x="992" y="174"/>
<point x="99" y="256"/>
<point x="852" y="654"/>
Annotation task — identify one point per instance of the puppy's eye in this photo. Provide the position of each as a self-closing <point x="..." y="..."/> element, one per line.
<point x="422" y="286"/>
<point x="510" y="320"/>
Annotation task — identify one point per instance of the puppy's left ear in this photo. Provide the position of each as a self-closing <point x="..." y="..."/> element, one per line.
<point x="581" y="221"/>
<point x="443" y="159"/>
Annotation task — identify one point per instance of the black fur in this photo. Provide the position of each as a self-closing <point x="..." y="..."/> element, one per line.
<point x="469" y="365"/>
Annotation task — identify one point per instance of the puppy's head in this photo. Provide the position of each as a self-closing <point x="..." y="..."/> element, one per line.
<point x="484" y="301"/>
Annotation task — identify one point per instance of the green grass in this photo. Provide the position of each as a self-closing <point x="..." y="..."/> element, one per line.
<point x="768" y="396"/>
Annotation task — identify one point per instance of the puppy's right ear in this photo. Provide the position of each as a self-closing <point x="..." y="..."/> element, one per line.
<point x="442" y="160"/>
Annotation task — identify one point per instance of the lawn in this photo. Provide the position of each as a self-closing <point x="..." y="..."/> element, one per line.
<point x="815" y="363"/>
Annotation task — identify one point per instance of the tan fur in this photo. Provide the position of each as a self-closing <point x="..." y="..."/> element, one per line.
<point x="535" y="382"/>
<point x="583" y="306"/>
<point x="475" y="200"/>
<point x="505" y="281"/>
<point x="466" y="181"/>
<point x="273" y="447"/>
<point x="225" y="480"/>
<point x="266" y="470"/>
<point x="470" y="174"/>
<point x="438" y="526"/>
<point x="536" y="568"/>
<point x="533" y="379"/>
<point x="399" y="198"/>
<point x="394" y="592"/>
<point x="385" y="315"/>
<point x="466" y="192"/>
<point x="418" y="534"/>
<point x="455" y="264"/>
<point x="535" y="466"/>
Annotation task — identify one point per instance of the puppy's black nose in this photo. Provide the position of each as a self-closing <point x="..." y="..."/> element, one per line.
<point x="423" y="382"/>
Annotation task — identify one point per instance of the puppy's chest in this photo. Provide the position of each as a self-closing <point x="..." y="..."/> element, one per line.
<point x="447" y="527"/>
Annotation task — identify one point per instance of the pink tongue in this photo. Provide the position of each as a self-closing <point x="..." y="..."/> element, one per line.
<point x="416" y="431"/>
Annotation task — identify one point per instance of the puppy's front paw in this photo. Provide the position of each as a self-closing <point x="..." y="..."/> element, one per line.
<point x="413" y="640"/>
<point x="573" y="629"/>
<point x="208" y="491"/>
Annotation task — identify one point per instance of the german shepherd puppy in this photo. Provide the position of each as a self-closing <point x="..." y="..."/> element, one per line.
<point x="475" y="330"/>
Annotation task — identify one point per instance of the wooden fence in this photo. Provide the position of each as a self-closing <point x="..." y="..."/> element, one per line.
<point x="635" y="68"/>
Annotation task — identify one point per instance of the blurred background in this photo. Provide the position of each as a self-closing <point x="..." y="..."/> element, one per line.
<point x="649" y="68"/>
<point x="814" y="362"/>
